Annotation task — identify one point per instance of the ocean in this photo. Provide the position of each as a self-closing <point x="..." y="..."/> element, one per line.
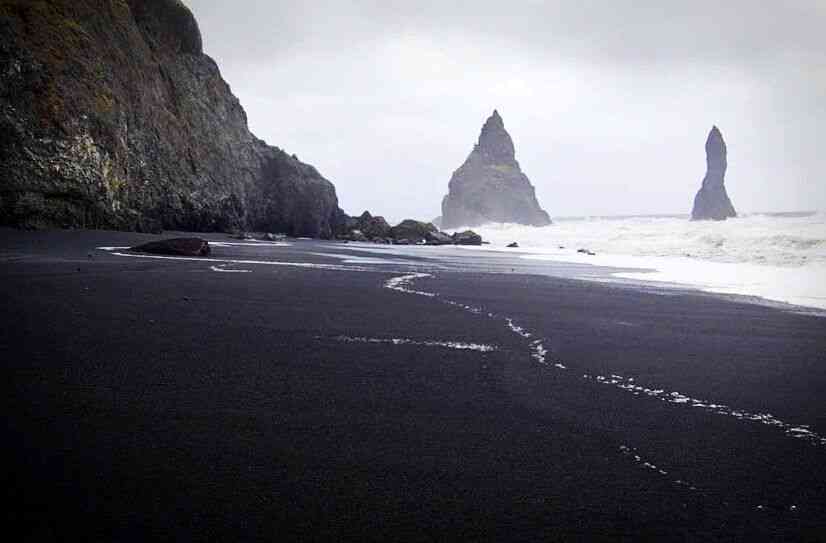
<point x="780" y="257"/>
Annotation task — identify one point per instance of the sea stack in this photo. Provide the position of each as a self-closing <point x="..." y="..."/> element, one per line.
<point x="490" y="186"/>
<point x="712" y="201"/>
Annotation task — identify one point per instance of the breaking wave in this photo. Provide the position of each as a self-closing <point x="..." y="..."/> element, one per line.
<point x="771" y="239"/>
<point x="778" y="257"/>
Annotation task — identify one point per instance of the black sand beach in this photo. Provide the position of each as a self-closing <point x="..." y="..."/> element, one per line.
<point x="174" y="399"/>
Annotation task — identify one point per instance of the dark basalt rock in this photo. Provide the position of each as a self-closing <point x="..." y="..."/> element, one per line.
<point x="413" y="231"/>
<point x="358" y="235"/>
<point x="176" y="247"/>
<point x="712" y="201"/>
<point x="372" y="227"/>
<point x="170" y="25"/>
<point x="438" y="238"/>
<point x="408" y="232"/>
<point x="112" y="117"/>
<point x="490" y="186"/>
<point x="468" y="237"/>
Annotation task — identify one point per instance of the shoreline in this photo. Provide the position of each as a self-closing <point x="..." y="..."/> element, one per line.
<point x="780" y="257"/>
<point x="400" y="399"/>
<point x="621" y="270"/>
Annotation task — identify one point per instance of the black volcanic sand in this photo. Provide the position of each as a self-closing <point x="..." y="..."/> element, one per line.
<point x="157" y="398"/>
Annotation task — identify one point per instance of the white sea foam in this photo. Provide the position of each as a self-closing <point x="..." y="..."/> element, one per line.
<point x="252" y="243"/>
<point x="352" y="259"/>
<point x="225" y="270"/>
<point x="779" y="258"/>
<point x="627" y="384"/>
<point x="467" y="307"/>
<point x="516" y="329"/>
<point x="425" y="343"/>
<point x="402" y="284"/>
<point x="309" y="265"/>
<point x="538" y="351"/>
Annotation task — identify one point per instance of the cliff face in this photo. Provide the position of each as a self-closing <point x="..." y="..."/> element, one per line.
<point x="490" y="186"/>
<point x="111" y="116"/>
<point x="712" y="201"/>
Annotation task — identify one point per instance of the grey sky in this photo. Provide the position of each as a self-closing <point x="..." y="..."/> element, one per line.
<point x="609" y="103"/>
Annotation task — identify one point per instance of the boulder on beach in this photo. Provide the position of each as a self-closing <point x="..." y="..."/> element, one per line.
<point x="364" y="228"/>
<point x="413" y="231"/>
<point x="175" y="247"/>
<point x="490" y="185"/>
<point x="372" y="226"/>
<point x="438" y="238"/>
<point x="712" y="201"/>
<point x="468" y="237"/>
<point x="408" y="232"/>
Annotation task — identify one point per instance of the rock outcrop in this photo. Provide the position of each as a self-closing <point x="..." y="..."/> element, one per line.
<point x="372" y="227"/>
<point x="111" y="116"/>
<point x="413" y="231"/>
<point x="408" y="232"/>
<point x="712" y="201"/>
<point x="490" y="186"/>
<point x="468" y="237"/>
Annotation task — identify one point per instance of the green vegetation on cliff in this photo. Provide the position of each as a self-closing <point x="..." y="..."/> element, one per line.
<point x="111" y="116"/>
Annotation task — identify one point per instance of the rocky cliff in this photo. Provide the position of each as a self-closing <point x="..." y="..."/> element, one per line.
<point x="712" y="201"/>
<point x="111" y="116"/>
<point x="490" y="186"/>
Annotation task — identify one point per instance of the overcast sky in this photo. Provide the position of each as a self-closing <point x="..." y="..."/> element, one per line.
<point x="609" y="103"/>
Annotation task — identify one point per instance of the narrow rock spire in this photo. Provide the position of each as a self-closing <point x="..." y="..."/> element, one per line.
<point x="712" y="201"/>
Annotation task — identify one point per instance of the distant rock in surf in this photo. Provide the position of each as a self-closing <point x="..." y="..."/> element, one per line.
<point x="438" y="238"/>
<point x="373" y="226"/>
<point x="490" y="186"/>
<point x="175" y="247"/>
<point x="408" y="232"/>
<point x="712" y="201"/>
<point x="468" y="237"/>
<point x="413" y="231"/>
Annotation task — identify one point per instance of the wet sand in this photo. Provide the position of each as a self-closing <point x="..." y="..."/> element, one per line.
<point x="163" y="398"/>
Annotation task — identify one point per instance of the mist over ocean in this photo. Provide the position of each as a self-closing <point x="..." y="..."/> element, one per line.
<point x="776" y="256"/>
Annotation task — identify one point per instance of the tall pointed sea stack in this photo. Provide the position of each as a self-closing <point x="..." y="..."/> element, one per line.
<point x="712" y="201"/>
<point x="490" y="186"/>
